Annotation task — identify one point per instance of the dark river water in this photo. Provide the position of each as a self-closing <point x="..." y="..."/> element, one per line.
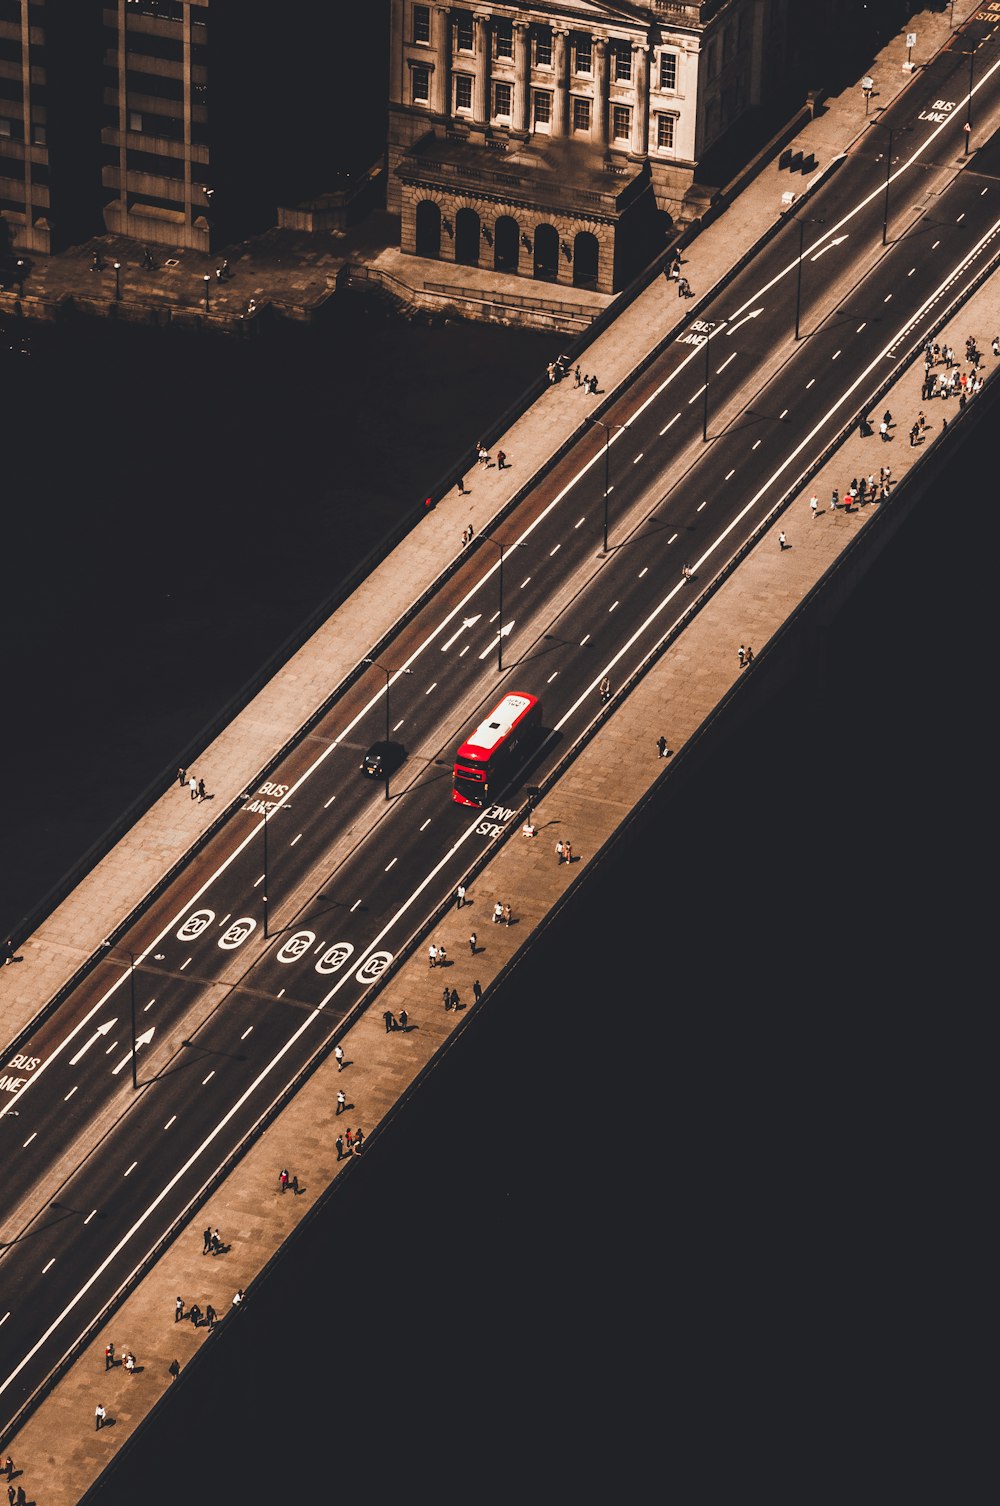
<point x="683" y="1185"/>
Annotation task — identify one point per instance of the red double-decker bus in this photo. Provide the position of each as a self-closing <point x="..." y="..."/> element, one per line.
<point x="486" y="757"/>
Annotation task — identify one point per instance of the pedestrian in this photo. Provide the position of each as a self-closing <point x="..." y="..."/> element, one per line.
<point x="459" y="896"/>
<point x="473" y="941"/>
<point x="605" y="689"/>
<point x="339" y="1143"/>
<point x="461" y="488"/>
<point x="576" y="373"/>
<point x="568" y="851"/>
<point x="661" y="746"/>
<point x="206" y="1240"/>
<point x="883" y="430"/>
<point x="996" y="345"/>
<point x="782" y="541"/>
<point x="593" y="384"/>
<point x="454" y="999"/>
<point x="501" y="460"/>
<point x="442" y="955"/>
<point x="484" y="455"/>
<point x="174" y="1369"/>
<point x="389" y="1021"/>
<point x="742" y="653"/>
<point x="178" y="1309"/>
<point x="338" y="1052"/>
<point x="446" y="994"/>
<point x="283" y="1178"/>
<point x="182" y="775"/>
<point x="497" y="913"/>
<point x="477" y="990"/>
<point x="129" y="1363"/>
<point x="749" y="657"/>
<point x="216" y="1243"/>
<point x="109" y="1360"/>
<point x="432" y="955"/>
<point x="681" y="285"/>
<point x="834" y="500"/>
<point x="99" y="1412"/>
<point x="687" y="572"/>
<point x="238" y="1298"/>
<point x="193" y="787"/>
<point x="507" y="915"/>
<point x="350" y="1138"/>
<point x="403" y="1019"/>
<point x="210" y="1316"/>
<point x="357" y="1142"/>
<point x="341" y="1101"/>
<point x="814" y="504"/>
<point x="11" y="1495"/>
<point x="7" y="950"/>
<point x="586" y="382"/>
<point x="295" y="1186"/>
<point x="202" y="792"/>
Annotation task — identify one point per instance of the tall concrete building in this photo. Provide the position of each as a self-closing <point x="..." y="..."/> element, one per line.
<point x="49" y="120"/>
<point x="559" y="140"/>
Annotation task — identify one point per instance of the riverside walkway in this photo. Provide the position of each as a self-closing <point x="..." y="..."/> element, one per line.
<point x="58" y="1447"/>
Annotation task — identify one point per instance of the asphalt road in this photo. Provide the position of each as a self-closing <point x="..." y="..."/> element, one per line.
<point x="226" y="1018"/>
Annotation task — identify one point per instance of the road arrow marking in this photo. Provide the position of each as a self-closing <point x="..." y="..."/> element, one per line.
<point x="140" y="1040"/>
<point x="837" y="239"/>
<point x="754" y="314"/>
<point x="101" y="1030"/>
<point x="467" y="622"/>
<point x="504" y="633"/>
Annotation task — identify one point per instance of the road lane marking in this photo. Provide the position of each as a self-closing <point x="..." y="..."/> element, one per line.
<point x="246" y="1032"/>
<point x="69" y="1095"/>
<point x="554" y="551"/>
<point x="131" y="1168"/>
<point x="551" y="678"/>
<point x="669" y="425"/>
<point x="720" y="369"/>
<point x="584" y="639"/>
<point x="170" y="1121"/>
<point x="295" y="839"/>
<point x="643" y="571"/>
<point x="638" y="457"/>
<point x="612" y="606"/>
<point x="731" y="474"/>
<point x="390" y="864"/>
<point x="48" y="1265"/>
<point x="524" y="582"/>
<point x="754" y="446"/>
<point x="259" y="882"/>
<point x="329" y="802"/>
<point x="700" y="506"/>
<point x="425" y="825"/>
<point x="861" y="326"/>
<point x="208" y="1078"/>
<point x="577" y="525"/>
<point x="31" y="1137"/>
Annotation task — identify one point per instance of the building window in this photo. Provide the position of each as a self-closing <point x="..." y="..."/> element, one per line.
<point x="583" y="54"/>
<point x="503" y="38"/>
<point x="542" y="110"/>
<point x="581" y="114"/>
<point x="5" y="127"/>
<point x="422" y="24"/>
<point x="463" y="31"/>
<point x="665" y="132"/>
<point x="463" y="91"/>
<point x="503" y="94"/>
<point x="621" y="62"/>
<point x="621" y="122"/>
<point x="40" y="138"/>
<point x="668" y="70"/>
<point x="543" y="47"/>
<point x="421" y="78"/>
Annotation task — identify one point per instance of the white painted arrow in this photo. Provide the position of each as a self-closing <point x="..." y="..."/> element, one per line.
<point x="502" y="634"/>
<point x="837" y="239"/>
<point x="754" y="313"/>
<point x="101" y="1030"/>
<point x="467" y="622"/>
<point x="140" y="1040"/>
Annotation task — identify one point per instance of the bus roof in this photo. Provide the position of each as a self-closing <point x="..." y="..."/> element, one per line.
<point x="499" y="724"/>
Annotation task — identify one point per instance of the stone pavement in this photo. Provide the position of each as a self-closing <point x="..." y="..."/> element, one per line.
<point x="58" y="1446"/>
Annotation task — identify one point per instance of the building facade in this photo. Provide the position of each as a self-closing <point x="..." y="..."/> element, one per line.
<point x="559" y="140"/>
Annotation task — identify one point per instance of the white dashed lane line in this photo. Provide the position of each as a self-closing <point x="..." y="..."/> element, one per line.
<point x="259" y="882"/>
<point x="726" y="363"/>
<point x="861" y="326"/>
<point x="69" y="1095"/>
<point x="638" y="457"/>
<point x="556" y="549"/>
<point x="700" y="506"/>
<point x="612" y="606"/>
<point x="643" y="571"/>
<point x="667" y="426"/>
<point x="430" y="688"/>
<point x="131" y="1168"/>
<point x="208" y="1079"/>
<point x="731" y="474"/>
<point x="391" y="864"/>
<point x="577" y="525"/>
<point x="295" y="839"/>
<point x="524" y="582"/>
<point x="426" y="824"/>
<point x="551" y="678"/>
<point x="170" y="1121"/>
<point x="246" y="1033"/>
<point x="754" y="446"/>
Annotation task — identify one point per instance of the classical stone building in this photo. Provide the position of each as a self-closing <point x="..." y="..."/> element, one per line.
<point x="559" y="140"/>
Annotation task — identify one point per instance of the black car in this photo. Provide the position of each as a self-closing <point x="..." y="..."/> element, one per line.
<point x="382" y="759"/>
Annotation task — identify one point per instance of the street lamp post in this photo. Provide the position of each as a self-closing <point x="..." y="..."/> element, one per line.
<point x="207" y="281"/>
<point x="618" y="429"/>
<point x="131" y="990"/>
<point x="968" y="113"/>
<point x="713" y="324"/>
<point x="118" y="284"/>
<point x="388" y="674"/>
<point x="893" y="130"/>
<point x="264" y="896"/>
<point x="499" y="547"/>
<point x="798" y="271"/>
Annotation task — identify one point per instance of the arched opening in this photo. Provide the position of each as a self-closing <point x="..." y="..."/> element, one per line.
<point x="546" y="253"/>
<point x="586" y="258"/>
<point x="506" y="244"/>
<point x="467" y="237"/>
<point x="428" y="229"/>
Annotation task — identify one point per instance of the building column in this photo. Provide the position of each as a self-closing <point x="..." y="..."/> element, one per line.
<point x="559" y="104"/>
<point x="481" y="87"/>
<point x="640" y="113"/>
<point x="441" y="77"/>
<point x="522" y="76"/>
<point x="601" y="91"/>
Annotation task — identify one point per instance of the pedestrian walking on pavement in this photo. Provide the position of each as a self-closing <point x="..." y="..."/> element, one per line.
<point x="661" y="746"/>
<point x="559" y="851"/>
<point x="182" y="775"/>
<point x="507" y="916"/>
<point x="210" y="1316"/>
<point x="174" y="1369"/>
<point x="283" y="1178"/>
<point x="461" y="489"/>
<point x="99" y="1416"/>
<point x="432" y="955"/>
<point x="477" y="990"/>
<point x="341" y="1101"/>
<point x="202" y="792"/>
<point x="357" y="1142"/>
<point x="447" y="996"/>
<point x="129" y="1363"/>
<point x="338" y="1052"/>
<point x="782" y="541"/>
<point x="473" y="940"/>
<point x="454" y="1001"/>
<point x="178" y="1309"/>
<point x="883" y="430"/>
<point x="11" y="1495"/>
<point x="193" y="787"/>
<point x="749" y="657"/>
<point x="339" y="1143"/>
<point x="109" y="1357"/>
<point x="8" y="1463"/>
<point x="216" y="1242"/>
<point x="238" y="1298"/>
<point x="576" y="373"/>
<point x="593" y="384"/>
<point x="568" y="851"/>
<point x="390" y="1022"/>
<point x="404" y="1019"/>
<point x="206" y="1240"/>
<point x="459" y="896"/>
<point x="501" y="459"/>
<point x="742" y="653"/>
<point x="834" y="500"/>
<point x="814" y="504"/>
<point x="497" y="913"/>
